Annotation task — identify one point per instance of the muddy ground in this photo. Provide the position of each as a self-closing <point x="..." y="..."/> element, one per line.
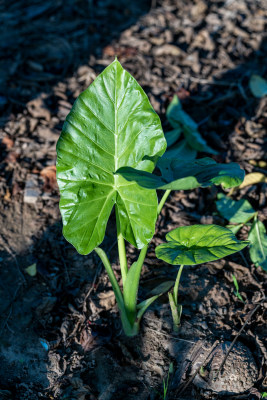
<point x="60" y="331"/>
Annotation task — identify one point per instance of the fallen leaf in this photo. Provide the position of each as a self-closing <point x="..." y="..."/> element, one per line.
<point x="253" y="178"/>
<point x="50" y="180"/>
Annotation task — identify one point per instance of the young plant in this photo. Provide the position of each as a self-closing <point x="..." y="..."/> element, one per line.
<point x="193" y="245"/>
<point x="111" y="142"/>
<point x="166" y="382"/>
<point x="236" y="292"/>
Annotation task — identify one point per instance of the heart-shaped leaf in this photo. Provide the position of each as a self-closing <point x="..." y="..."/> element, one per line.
<point x="178" y="175"/>
<point x="234" y="211"/>
<point x="111" y="125"/>
<point x="197" y="244"/>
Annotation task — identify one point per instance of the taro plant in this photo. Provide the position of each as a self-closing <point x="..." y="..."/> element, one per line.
<point x="110" y="144"/>
<point x="193" y="245"/>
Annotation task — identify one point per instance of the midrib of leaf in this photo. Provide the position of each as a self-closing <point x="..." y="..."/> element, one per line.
<point x="116" y="128"/>
<point x="259" y="238"/>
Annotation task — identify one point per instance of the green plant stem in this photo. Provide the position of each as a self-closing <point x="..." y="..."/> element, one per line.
<point x="143" y="252"/>
<point x="162" y="201"/>
<point x="122" y="257"/>
<point x="101" y="253"/>
<point x="121" y="250"/>
<point x="176" y="285"/>
<point x="129" y="329"/>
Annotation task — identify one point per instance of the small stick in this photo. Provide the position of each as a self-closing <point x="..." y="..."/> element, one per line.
<point x="197" y="371"/>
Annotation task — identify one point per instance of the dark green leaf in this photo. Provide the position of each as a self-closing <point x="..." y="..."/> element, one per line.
<point x="178" y="118"/>
<point x="173" y="136"/>
<point x="111" y="125"/>
<point x="177" y="175"/>
<point x="197" y="244"/>
<point x="258" y="247"/>
<point x="181" y="150"/>
<point x="234" y="211"/>
<point x="194" y="138"/>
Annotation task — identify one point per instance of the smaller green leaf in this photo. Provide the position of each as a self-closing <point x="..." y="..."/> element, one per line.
<point x="234" y="228"/>
<point x="181" y="150"/>
<point x="162" y="288"/>
<point x="258" y="86"/>
<point x="238" y="212"/>
<point x="172" y="136"/>
<point x="197" y="244"/>
<point x="157" y="292"/>
<point x="178" y="118"/>
<point x="180" y="175"/>
<point x="194" y="138"/>
<point x="258" y="244"/>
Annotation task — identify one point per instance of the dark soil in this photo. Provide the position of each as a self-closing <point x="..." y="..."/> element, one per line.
<point x="60" y="331"/>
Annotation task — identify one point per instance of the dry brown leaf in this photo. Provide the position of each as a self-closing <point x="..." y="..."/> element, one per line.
<point x="252" y="179"/>
<point x="50" y="180"/>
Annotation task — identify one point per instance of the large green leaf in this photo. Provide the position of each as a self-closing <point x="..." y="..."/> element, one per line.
<point x="197" y="244"/>
<point x="178" y="175"/>
<point x="238" y="212"/>
<point x="178" y="118"/>
<point x="111" y="125"/>
<point x="258" y="244"/>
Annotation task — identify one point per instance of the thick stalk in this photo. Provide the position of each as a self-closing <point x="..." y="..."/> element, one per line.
<point x="121" y="250"/>
<point x="143" y="252"/>
<point x="162" y="201"/>
<point x="127" y="326"/>
<point x="131" y="286"/>
<point x="176" y="286"/>
<point x="112" y="278"/>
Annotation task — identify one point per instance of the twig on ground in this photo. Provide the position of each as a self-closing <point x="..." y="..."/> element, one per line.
<point x="197" y="371"/>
